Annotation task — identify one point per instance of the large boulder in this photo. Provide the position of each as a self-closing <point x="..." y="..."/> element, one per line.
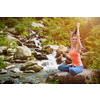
<point x="87" y="76"/>
<point x="62" y="49"/>
<point x="22" y="52"/>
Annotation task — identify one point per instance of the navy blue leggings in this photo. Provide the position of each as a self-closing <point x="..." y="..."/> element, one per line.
<point x="73" y="70"/>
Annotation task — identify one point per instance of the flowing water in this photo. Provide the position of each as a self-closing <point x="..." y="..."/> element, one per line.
<point x="48" y="66"/>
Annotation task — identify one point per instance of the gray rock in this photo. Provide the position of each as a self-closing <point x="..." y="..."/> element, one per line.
<point x="1" y="52"/>
<point x="64" y="77"/>
<point x="37" y="24"/>
<point x="36" y="68"/>
<point x="10" y="66"/>
<point x="22" y="52"/>
<point x="29" y="71"/>
<point x="3" y="71"/>
<point x="2" y="57"/>
<point x="9" y="58"/>
<point x="20" y="61"/>
<point x="15" y="70"/>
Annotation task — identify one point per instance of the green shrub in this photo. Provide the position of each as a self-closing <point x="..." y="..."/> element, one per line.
<point x="11" y="22"/>
<point x="2" y="64"/>
<point x="20" y="28"/>
<point x="2" y="25"/>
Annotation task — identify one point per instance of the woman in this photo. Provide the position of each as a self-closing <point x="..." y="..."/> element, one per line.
<point x="76" y="66"/>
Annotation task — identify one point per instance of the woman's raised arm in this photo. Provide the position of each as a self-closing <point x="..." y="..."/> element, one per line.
<point x="79" y="45"/>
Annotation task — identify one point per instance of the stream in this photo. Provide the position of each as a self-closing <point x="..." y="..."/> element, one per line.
<point x="37" y="77"/>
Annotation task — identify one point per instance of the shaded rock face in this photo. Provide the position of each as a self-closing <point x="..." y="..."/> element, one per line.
<point x="64" y="77"/>
<point x="23" y="52"/>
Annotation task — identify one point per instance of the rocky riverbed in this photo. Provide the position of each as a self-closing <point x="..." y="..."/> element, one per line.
<point x="30" y="62"/>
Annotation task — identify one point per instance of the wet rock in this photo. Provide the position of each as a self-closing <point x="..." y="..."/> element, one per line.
<point x="29" y="71"/>
<point x="27" y="64"/>
<point x="10" y="66"/>
<point x="28" y="82"/>
<point x="45" y="64"/>
<point x="22" y="52"/>
<point x="36" y="68"/>
<point x="9" y="82"/>
<point x="30" y="45"/>
<point x="15" y="76"/>
<point x="64" y="77"/>
<point x="41" y="57"/>
<point x="15" y="70"/>
<point x="20" y="61"/>
<point x="3" y="71"/>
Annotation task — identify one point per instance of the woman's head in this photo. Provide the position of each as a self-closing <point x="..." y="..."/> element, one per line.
<point x="74" y="40"/>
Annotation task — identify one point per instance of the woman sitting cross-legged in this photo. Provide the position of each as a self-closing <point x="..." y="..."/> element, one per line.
<point x="76" y="66"/>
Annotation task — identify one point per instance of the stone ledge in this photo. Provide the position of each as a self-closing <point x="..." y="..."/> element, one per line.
<point x="64" y="77"/>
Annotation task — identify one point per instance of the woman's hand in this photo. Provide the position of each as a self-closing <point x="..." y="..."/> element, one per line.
<point x="78" y="25"/>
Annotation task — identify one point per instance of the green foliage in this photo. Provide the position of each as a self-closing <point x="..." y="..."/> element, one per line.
<point x="56" y="81"/>
<point x="20" y="28"/>
<point x="2" y="64"/>
<point x="11" y="22"/>
<point x="9" y="43"/>
<point x="32" y="57"/>
<point x="2" y="25"/>
<point x="92" y="43"/>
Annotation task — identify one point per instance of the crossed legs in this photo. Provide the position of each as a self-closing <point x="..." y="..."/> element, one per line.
<point x="71" y="69"/>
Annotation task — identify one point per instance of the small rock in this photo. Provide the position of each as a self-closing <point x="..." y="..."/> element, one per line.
<point x="15" y="70"/>
<point x="3" y="71"/>
<point x="29" y="71"/>
<point x="15" y="76"/>
<point x="1" y="52"/>
<point x="9" y="58"/>
<point x="20" y="61"/>
<point x="10" y="66"/>
<point x="9" y="82"/>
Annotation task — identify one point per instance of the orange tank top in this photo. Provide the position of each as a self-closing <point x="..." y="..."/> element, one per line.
<point x="75" y="57"/>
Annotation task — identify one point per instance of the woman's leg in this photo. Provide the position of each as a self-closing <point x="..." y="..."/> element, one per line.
<point x="64" y="67"/>
<point x="76" y="70"/>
